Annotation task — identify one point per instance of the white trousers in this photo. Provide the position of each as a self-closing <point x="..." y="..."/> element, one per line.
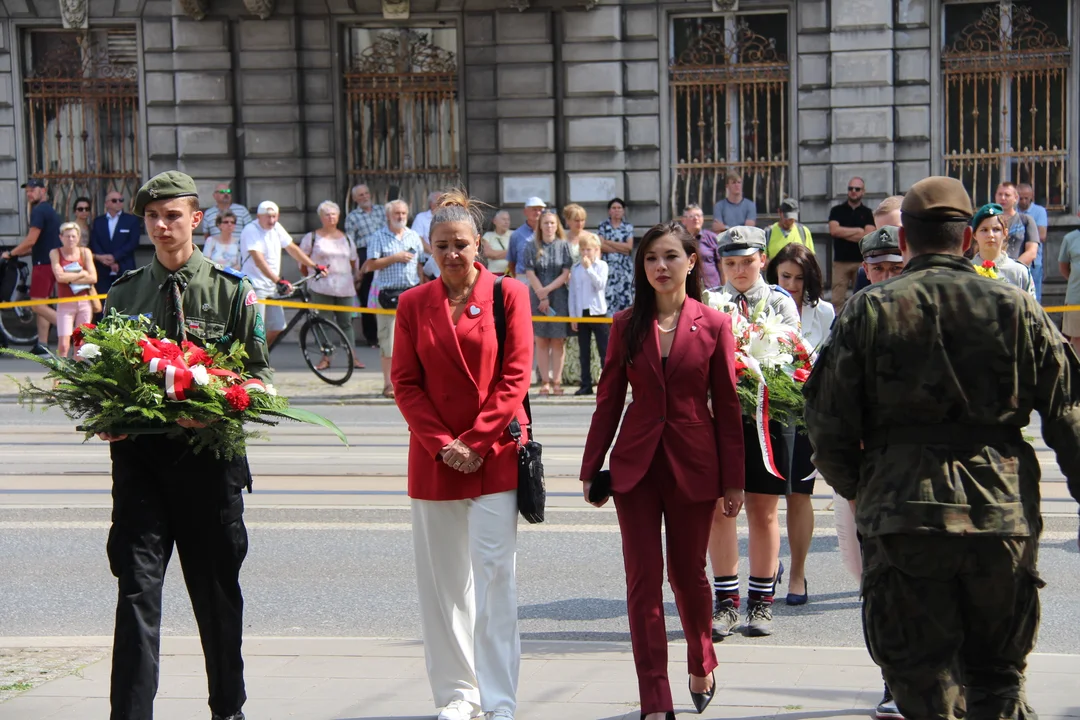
<point x="465" y="569"/>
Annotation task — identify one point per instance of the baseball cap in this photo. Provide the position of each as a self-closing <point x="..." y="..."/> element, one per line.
<point x="267" y="206"/>
<point x="741" y="240"/>
<point x="939" y="199"/>
<point x="163" y="186"/>
<point x="535" y="202"/>
<point x="34" y="182"/>
<point x="789" y="209"/>
<point x="882" y="245"/>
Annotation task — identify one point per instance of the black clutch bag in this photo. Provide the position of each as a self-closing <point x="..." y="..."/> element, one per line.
<point x="531" y="493"/>
<point x="600" y="490"/>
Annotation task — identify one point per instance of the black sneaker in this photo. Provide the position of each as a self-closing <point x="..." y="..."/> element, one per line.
<point x="39" y="349"/>
<point x="237" y="716"/>
<point x="725" y="618"/>
<point x="758" y="618"/>
<point x="886" y="709"/>
<point x="584" y="391"/>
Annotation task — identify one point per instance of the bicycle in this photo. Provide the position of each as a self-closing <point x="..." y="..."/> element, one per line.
<point x="19" y="324"/>
<point x="319" y="339"/>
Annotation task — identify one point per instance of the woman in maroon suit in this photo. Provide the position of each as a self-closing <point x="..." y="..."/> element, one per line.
<point x="674" y="457"/>
<point x="458" y="400"/>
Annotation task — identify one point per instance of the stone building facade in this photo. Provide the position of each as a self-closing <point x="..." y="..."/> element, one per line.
<point x="571" y="100"/>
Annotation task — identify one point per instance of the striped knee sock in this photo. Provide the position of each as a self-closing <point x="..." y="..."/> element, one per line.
<point x="727" y="587"/>
<point x="762" y="589"/>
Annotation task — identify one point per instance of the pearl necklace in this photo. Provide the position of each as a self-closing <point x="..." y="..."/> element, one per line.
<point x="674" y="324"/>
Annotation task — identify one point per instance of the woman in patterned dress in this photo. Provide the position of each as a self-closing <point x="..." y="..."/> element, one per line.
<point x="617" y="242"/>
<point x="547" y="269"/>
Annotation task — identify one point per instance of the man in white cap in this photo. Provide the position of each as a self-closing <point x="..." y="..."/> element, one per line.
<point x="515" y="261"/>
<point x="261" y="244"/>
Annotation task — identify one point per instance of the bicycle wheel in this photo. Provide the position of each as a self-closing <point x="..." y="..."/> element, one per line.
<point x="323" y="340"/>
<point x="18" y="325"/>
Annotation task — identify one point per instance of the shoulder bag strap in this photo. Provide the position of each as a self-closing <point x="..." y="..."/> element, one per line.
<point x="499" y="311"/>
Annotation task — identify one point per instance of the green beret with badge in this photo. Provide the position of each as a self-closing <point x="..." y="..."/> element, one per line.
<point x="882" y="245"/>
<point x="741" y="240"/>
<point x="163" y="186"/>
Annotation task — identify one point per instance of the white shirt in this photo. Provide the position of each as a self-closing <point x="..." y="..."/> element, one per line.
<point x="587" y="289"/>
<point x="421" y="224"/>
<point x="817" y="323"/>
<point x="113" y="221"/>
<point x="270" y="243"/>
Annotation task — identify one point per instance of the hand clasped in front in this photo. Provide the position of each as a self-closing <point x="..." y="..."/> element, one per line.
<point x="461" y="457"/>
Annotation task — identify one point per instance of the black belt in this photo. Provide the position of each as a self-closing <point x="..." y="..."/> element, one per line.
<point x="943" y="434"/>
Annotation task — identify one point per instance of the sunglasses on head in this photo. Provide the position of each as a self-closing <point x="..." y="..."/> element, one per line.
<point x="852" y="188"/>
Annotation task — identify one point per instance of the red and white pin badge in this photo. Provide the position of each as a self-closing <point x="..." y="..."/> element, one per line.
<point x="250" y="299"/>
<point x="474" y="311"/>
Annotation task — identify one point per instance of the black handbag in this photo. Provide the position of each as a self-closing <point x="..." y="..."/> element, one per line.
<point x="531" y="493"/>
<point x="388" y="299"/>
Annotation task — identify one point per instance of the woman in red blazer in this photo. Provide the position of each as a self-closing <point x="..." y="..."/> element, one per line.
<point x="458" y="402"/>
<point x="674" y="457"/>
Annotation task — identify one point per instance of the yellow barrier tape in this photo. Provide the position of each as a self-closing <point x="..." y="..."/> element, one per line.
<point x="300" y="306"/>
<point x="49" y="301"/>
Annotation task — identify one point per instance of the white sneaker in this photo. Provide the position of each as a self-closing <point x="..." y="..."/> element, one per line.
<point x="500" y="715"/>
<point x="458" y="710"/>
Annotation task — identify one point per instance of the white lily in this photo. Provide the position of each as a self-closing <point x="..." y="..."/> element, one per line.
<point x="720" y="300"/>
<point x="88" y="351"/>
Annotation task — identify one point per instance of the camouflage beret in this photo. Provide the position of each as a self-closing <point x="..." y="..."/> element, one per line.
<point x="164" y="186"/>
<point x="882" y="245"/>
<point x="741" y="240"/>
<point x="937" y="198"/>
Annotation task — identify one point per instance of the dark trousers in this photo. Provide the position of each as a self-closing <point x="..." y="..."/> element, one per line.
<point x="163" y="494"/>
<point x="654" y="500"/>
<point x="367" y="320"/>
<point x="585" y="331"/>
<point x="951" y="620"/>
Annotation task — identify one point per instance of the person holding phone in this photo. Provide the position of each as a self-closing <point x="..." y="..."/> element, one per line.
<point x="547" y="267"/>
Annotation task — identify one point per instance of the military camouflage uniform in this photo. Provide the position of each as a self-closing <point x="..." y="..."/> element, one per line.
<point x="936" y="372"/>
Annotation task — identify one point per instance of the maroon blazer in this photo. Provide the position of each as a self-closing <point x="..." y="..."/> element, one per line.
<point x="448" y="385"/>
<point x="670" y="409"/>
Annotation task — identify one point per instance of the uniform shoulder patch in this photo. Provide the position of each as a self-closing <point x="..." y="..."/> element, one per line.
<point x="777" y="288"/>
<point x="251" y="298"/>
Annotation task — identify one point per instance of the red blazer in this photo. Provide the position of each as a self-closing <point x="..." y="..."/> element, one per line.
<point x="703" y="449"/>
<point x="448" y="388"/>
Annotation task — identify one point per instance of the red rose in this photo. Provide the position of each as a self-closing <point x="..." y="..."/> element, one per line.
<point x="740" y="366"/>
<point x="195" y="355"/>
<point x="989" y="264"/>
<point x="238" y="398"/>
<point x="801" y="375"/>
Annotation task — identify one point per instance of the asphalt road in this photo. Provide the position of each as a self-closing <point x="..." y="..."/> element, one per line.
<point x="330" y="551"/>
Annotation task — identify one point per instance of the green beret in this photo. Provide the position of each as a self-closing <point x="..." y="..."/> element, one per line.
<point x="986" y="211"/>
<point x="882" y="245"/>
<point x="164" y="186"/>
<point x="741" y="240"/>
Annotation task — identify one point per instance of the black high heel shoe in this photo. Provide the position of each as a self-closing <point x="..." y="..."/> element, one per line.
<point x="669" y="715"/>
<point x="702" y="700"/>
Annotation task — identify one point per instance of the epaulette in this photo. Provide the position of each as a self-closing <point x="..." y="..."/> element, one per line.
<point x="128" y="275"/>
<point x="777" y="288"/>
<point x="229" y="271"/>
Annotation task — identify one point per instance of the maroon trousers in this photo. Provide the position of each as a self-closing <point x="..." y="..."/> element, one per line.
<point x="687" y="525"/>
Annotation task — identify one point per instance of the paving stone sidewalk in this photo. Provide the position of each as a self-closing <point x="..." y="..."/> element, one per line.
<point x="367" y="679"/>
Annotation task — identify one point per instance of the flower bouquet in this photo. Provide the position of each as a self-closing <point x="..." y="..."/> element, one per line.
<point x="127" y="379"/>
<point x="772" y="361"/>
<point x="988" y="269"/>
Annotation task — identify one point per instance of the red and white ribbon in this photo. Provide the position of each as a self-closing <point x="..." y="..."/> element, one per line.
<point x="761" y="419"/>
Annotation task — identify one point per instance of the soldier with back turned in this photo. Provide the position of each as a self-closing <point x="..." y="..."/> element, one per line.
<point x="935" y="373"/>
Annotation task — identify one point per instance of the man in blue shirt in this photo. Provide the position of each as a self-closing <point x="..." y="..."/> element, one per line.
<point x="515" y="258"/>
<point x="43" y="236"/>
<point x="733" y="209"/>
<point x="1027" y="206"/>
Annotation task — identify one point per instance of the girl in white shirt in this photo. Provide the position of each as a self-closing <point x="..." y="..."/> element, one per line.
<point x="588" y="281"/>
<point x="796" y="270"/>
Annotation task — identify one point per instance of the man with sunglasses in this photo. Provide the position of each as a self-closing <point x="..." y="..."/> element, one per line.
<point x="114" y="237"/>
<point x="223" y="200"/>
<point x="849" y="222"/>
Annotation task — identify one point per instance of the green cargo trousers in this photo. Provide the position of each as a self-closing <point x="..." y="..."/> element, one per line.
<point x="951" y="620"/>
